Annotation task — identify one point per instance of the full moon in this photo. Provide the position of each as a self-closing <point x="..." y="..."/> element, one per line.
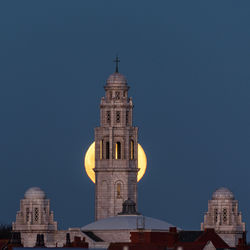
<point x="89" y="162"/>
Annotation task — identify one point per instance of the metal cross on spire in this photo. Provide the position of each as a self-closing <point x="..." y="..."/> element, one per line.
<point x="117" y="63"/>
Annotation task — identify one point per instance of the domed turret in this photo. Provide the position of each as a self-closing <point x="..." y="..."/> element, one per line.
<point x="224" y="217"/>
<point x="116" y="79"/>
<point x="34" y="193"/>
<point x="35" y="217"/>
<point x="223" y="193"/>
<point x="129" y="207"/>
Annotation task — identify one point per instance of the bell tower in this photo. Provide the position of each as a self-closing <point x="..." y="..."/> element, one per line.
<point x="116" y="156"/>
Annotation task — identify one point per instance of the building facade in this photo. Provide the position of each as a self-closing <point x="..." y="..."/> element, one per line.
<point x="224" y="217"/>
<point x="116" y="156"/>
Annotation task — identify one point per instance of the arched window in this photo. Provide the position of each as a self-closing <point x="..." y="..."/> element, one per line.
<point x="108" y="117"/>
<point x="118" y="150"/>
<point x="132" y="154"/>
<point x="224" y="215"/>
<point x="215" y="215"/>
<point x="117" y="95"/>
<point x="118" y="116"/>
<point x="101" y="149"/>
<point x="107" y="150"/>
<point x="36" y="214"/>
<point x="118" y="190"/>
<point x="27" y="214"/>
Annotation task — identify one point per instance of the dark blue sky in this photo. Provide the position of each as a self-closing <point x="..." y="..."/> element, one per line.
<point x="187" y="63"/>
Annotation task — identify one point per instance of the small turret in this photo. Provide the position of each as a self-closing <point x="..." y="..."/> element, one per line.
<point x="129" y="208"/>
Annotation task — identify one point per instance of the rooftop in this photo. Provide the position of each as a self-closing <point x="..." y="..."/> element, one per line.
<point x="127" y="222"/>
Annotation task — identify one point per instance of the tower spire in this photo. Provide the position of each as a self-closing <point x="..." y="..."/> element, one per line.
<point x="116" y="64"/>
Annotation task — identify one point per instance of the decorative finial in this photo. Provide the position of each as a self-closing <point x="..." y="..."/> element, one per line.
<point x="117" y="64"/>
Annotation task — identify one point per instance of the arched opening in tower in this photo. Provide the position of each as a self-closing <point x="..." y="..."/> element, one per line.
<point x="107" y="150"/>
<point x="118" y="150"/>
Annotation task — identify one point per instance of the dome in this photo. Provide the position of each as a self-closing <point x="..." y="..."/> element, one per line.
<point x="223" y="193"/>
<point x="34" y="193"/>
<point x="129" y="202"/>
<point x="127" y="222"/>
<point x="116" y="79"/>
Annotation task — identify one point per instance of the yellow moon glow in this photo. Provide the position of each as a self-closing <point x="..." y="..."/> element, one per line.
<point x="89" y="162"/>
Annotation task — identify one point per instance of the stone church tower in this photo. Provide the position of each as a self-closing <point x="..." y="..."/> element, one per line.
<point x="116" y="164"/>
<point x="224" y="217"/>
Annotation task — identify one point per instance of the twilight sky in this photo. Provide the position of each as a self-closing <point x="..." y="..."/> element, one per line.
<point x="188" y="66"/>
